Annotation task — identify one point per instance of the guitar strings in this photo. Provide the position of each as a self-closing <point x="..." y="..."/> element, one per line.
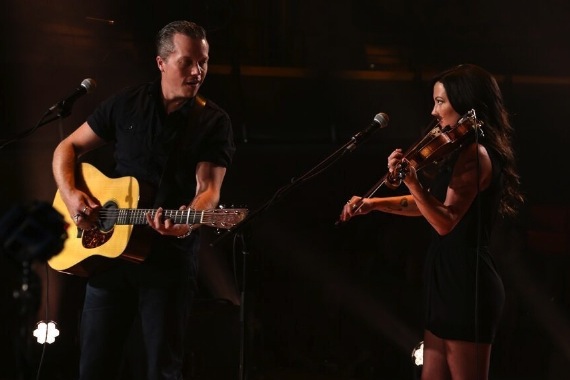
<point x="139" y="215"/>
<point x="132" y="216"/>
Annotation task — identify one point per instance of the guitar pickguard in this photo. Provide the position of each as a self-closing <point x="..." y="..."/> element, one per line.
<point x="95" y="238"/>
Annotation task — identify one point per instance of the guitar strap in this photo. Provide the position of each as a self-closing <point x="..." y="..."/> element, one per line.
<point x="169" y="168"/>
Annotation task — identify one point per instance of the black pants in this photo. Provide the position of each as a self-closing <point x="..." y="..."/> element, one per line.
<point x="157" y="296"/>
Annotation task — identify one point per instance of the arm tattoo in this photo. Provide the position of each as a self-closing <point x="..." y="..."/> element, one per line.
<point x="403" y="205"/>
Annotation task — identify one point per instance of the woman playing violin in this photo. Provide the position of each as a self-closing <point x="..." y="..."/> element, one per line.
<point x="464" y="294"/>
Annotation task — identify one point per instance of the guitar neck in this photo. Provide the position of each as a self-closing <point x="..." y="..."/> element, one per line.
<point x="137" y="216"/>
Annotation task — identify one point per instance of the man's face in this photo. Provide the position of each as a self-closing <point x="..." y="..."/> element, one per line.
<point x="184" y="71"/>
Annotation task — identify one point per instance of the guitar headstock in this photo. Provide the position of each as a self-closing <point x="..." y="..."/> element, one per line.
<point x="224" y="218"/>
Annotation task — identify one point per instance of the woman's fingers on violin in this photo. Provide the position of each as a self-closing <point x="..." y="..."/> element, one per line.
<point x="344" y="214"/>
<point x="353" y="203"/>
<point x="397" y="153"/>
<point x="409" y="174"/>
<point x="347" y="209"/>
<point x="394" y="159"/>
<point x="354" y="206"/>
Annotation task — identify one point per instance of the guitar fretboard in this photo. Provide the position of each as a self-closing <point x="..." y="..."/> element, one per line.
<point x="138" y="216"/>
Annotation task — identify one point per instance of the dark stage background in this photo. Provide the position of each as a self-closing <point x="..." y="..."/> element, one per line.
<point x="299" y="78"/>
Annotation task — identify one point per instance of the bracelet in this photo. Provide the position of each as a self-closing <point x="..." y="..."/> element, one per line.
<point x="185" y="235"/>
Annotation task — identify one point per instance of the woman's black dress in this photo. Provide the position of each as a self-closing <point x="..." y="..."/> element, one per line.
<point x="464" y="294"/>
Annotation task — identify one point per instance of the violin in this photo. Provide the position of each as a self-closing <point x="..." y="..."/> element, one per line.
<point x="435" y="146"/>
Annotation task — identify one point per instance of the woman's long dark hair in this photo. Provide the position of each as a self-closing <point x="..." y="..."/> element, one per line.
<point x="469" y="87"/>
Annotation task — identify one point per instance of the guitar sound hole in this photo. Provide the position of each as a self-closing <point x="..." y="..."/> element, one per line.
<point x="108" y="216"/>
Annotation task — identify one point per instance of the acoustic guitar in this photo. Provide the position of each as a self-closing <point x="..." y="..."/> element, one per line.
<point x="117" y="234"/>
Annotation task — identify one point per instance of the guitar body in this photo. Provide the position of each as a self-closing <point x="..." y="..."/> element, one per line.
<point x="122" y="228"/>
<point x="83" y="245"/>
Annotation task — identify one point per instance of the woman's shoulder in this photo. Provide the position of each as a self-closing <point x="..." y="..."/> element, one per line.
<point x="474" y="151"/>
<point x="475" y="157"/>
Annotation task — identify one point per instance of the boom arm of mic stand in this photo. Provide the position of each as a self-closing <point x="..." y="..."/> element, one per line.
<point x="30" y="130"/>
<point x="295" y="182"/>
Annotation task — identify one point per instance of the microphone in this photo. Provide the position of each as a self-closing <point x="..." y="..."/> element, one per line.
<point x="87" y="86"/>
<point x="380" y="121"/>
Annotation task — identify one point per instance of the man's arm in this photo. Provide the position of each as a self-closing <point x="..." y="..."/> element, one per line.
<point x="209" y="179"/>
<point x="65" y="156"/>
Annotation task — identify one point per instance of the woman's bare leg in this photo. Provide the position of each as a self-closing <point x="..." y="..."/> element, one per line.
<point x="435" y="358"/>
<point x="468" y="360"/>
<point x="454" y="359"/>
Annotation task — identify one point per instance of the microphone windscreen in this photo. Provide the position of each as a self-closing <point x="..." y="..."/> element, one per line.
<point x="89" y="85"/>
<point x="382" y="119"/>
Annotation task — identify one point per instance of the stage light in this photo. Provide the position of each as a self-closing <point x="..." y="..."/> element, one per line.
<point x="418" y="354"/>
<point x="46" y="332"/>
<point x="34" y="232"/>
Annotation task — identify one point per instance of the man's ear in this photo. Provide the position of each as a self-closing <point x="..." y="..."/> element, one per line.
<point x="160" y="63"/>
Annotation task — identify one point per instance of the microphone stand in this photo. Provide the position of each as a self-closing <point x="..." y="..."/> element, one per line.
<point x="63" y="113"/>
<point x="348" y="147"/>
